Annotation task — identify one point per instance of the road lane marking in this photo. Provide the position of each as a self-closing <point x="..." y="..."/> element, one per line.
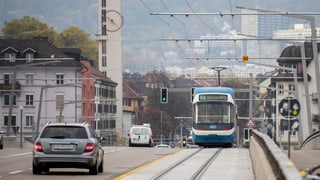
<point x="15" y="172"/>
<point x="14" y="155"/>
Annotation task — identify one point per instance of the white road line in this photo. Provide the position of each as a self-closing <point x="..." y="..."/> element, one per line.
<point x="15" y="172"/>
<point x="14" y="155"/>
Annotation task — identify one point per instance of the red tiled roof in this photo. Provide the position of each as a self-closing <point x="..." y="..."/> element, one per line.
<point x="129" y="93"/>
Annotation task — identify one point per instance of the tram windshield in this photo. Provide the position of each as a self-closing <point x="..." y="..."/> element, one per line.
<point x="214" y="112"/>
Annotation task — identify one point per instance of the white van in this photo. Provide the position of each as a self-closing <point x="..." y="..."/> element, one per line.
<point x="140" y="135"/>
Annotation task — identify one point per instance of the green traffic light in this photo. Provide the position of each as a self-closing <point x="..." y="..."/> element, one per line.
<point x="164" y="95"/>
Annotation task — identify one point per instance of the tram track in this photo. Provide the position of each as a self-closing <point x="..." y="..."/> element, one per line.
<point x="198" y="163"/>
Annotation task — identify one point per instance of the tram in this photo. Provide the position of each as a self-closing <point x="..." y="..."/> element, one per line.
<point x="214" y="114"/>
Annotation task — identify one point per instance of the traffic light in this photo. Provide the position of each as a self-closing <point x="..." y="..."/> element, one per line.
<point x="245" y="58"/>
<point x="184" y="141"/>
<point x="246" y="134"/>
<point x="164" y="95"/>
<point x="192" y="94"/>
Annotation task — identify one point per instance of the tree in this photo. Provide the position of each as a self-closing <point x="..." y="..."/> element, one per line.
<point x="26" y="28"/>
<point x="74" y="37"/>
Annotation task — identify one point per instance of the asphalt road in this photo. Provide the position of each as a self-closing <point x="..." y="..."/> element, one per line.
<point x="16" y="164"/>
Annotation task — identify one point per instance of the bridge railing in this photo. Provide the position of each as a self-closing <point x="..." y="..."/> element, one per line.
<point x="269" y="161"/>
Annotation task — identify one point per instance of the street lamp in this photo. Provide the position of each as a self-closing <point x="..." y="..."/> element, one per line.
<point x="218" y="69"/>
<point x="21" y="128"/>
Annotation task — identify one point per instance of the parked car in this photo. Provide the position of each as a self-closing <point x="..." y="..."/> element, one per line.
<point x="163" y="146"/>
<point x="140" y="135"/>
<point x="67" y="145"/>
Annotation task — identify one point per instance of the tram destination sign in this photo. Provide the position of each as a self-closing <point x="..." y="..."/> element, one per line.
<point x="213" y="97"/>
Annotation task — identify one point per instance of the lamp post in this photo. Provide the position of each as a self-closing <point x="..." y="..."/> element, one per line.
<point x="218" y="69"/>
<point x="21" y="127"/>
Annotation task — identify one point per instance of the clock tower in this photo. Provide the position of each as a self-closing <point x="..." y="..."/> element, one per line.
<point x="110" y="51"/>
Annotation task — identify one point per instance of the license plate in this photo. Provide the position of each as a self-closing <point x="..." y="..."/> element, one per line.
<point x="65" y="147"/>
<point x="213" y="127"/>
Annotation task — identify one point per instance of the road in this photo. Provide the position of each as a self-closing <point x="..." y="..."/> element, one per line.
<point x="16" y="164"/>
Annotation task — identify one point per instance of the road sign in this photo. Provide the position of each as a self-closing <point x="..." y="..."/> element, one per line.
<point x="250" y="123"/>
<point x="289" y="107"/>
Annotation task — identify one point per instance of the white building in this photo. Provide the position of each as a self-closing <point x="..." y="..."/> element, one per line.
<point x="305" y="92"/>
<point x="47" y="84"/>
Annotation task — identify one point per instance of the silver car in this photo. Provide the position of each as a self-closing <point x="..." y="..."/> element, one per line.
<point x="64" y="145"/>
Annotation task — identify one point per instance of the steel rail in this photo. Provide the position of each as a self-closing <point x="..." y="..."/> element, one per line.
<point x="198" y="174"/>
<point x="203" y="169"/>
<point x="169" y="168"/>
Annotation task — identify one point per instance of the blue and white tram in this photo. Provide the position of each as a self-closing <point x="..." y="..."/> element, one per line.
<point x="214" y="116"/>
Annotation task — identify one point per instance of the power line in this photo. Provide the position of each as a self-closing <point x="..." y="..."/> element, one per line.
<point x="202" y="21"/>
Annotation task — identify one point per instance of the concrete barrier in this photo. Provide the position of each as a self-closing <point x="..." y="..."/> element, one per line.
<point x="269" y="161"/>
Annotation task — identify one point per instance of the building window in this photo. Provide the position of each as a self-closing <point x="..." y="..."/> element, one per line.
<point x="59" y="78"/>
<point x="104" y="14"/>
<point x="104" y="29"/>
<point x="10" y="56"/>
<point x="7" y="100"/>
<point x="281" y="89"/>
<point x="29" y="120"/>
<point x="112" y="124"/>
<point x="291" y="88"/>
<point x="13" y="120"/>
<point x="29" y="57"/>
<point x="29" y="79"/>
<point x="126" y="102"/>
<point x="7" y="79"/>
<point x="104" y="47"/>
<point x="29" y="99"/>
<point x="103" y="3"/>
<point x="104" y="61"/>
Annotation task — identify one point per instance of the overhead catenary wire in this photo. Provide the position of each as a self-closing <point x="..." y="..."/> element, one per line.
<point x="202" y="21"/>
<point x="171" y="31"/>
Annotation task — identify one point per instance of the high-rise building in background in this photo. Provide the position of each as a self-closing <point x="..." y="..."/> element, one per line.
<point x="262" y="27"/>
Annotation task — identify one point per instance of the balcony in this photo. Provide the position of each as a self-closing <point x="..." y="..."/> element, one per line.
<point x="6" y="88"/>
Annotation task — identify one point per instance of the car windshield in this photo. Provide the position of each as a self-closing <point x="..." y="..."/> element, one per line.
<point x="62" y="132"/>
